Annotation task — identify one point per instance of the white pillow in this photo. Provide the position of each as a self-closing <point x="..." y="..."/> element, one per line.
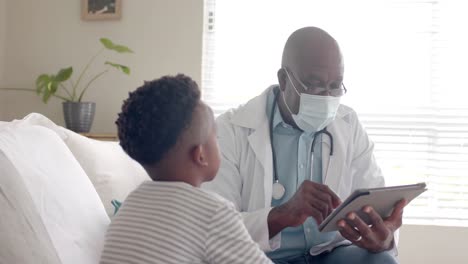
<point x="63" y="198"/>
<point x="113" y="173"/>
<point x="24" y="236"/>
<point x="40" y="120"/>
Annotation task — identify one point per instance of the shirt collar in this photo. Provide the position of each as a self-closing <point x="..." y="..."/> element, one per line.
<point x="278" y="119"/>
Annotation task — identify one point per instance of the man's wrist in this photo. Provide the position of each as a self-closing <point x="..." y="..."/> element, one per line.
<point x="386" y="246"/>
<point x="277" y="221"/>
<point x="391" y="244"/>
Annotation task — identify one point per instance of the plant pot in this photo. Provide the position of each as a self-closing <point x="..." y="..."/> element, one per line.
<point x="79" y="116"/>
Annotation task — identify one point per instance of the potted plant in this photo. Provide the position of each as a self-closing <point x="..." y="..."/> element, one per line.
<point x="78" y="114"/>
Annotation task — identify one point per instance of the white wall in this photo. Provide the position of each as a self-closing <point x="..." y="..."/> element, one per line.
<point x="3" y="21"/>
<point x="433" y="245"/>
<point x="43" y="36"/>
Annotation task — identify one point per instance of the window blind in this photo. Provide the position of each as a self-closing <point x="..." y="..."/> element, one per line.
<point x="404" y="69"/>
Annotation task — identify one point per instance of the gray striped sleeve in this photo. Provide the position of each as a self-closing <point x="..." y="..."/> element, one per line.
<point x="229" y="242"/>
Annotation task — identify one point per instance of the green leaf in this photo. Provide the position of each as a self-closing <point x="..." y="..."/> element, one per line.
<point x="108" y="44"/>
<point x="63" y="74"/>
<point x="46" y="97"/>
<point x="122" y="49"/>
<point x="121" y="67"/>
<point x="41" y="82"/>
<point x="51" y="89"/>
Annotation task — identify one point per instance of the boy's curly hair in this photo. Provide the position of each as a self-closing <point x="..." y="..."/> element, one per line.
<point x="155" y="115"/>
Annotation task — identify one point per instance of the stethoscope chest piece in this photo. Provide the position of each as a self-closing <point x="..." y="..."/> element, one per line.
<point x="278" y="190"/>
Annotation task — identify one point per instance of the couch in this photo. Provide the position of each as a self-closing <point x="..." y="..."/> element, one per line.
<point x="56" y="189"/>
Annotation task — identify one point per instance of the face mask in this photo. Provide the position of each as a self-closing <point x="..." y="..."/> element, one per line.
<point x="315" y="111"/>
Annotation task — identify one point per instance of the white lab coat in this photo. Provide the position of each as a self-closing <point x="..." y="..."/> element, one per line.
<point x="245" y="176"/>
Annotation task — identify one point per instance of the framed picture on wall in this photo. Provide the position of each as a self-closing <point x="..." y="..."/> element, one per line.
<point x="101" y="9"/>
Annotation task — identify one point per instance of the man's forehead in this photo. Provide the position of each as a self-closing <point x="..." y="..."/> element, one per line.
<point x="312" y="66"/>
<point x="305" y="69"/>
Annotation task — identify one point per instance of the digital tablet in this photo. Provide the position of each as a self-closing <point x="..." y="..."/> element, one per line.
<point x="381" y="199"/>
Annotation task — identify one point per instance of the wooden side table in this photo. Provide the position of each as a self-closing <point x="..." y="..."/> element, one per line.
<point x="102" y="137"/>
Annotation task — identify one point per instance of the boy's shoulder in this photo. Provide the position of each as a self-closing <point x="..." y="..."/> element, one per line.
<point x="218" y="199"/>
<point x="181" y="189"/>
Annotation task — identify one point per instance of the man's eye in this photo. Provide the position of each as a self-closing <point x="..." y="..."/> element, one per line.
<point x="335" y="86"/>
<point x="313" y="85"/>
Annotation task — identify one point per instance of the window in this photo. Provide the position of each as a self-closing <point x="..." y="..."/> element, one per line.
<point x="405" y="63"/>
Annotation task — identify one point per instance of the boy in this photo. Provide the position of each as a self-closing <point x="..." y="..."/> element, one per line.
<point x="167" y="128"/>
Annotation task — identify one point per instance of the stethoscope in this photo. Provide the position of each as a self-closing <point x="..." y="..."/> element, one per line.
<point x="278" y="189"/>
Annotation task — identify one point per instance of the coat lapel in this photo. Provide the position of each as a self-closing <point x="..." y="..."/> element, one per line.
<point x="254" y="116"/>
<point x="262" y="148"/>
<point x="333" y="165"/>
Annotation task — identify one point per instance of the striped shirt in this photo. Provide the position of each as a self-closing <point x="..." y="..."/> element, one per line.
<point x="174" y="222"/>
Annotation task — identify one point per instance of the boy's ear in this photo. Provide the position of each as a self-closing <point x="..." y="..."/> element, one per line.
<point x="198" y="156"/>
